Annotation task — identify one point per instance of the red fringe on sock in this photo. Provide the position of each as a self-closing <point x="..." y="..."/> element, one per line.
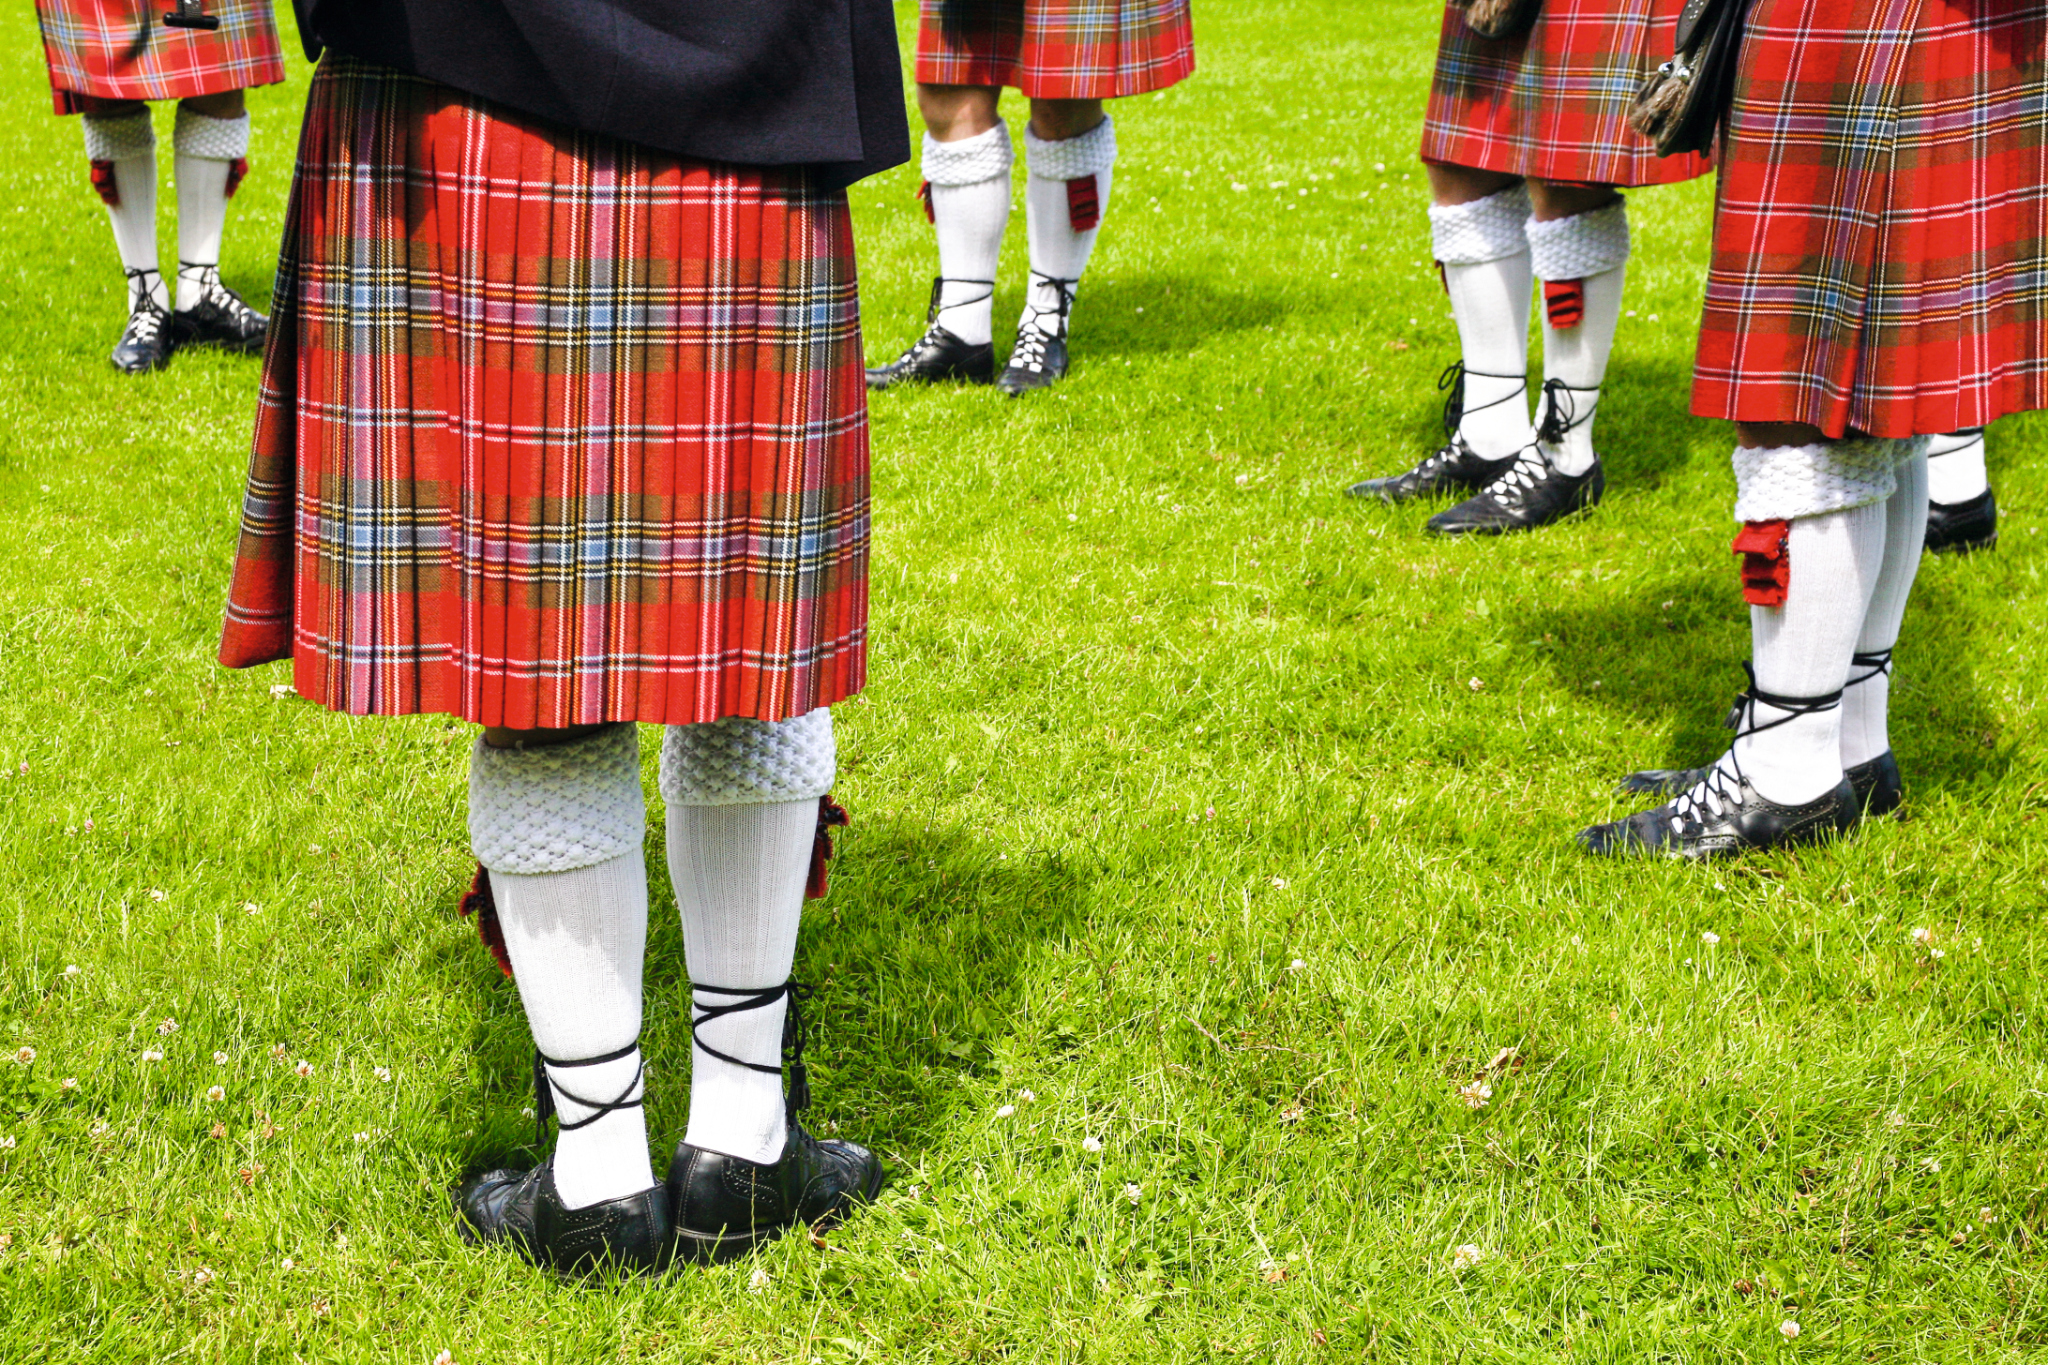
<point x="924" y="194"/>
<point x="104" y="185"/>
<point x="1766" y="561"/>
<point x="1084" y="205"/>
<point x="831" y="815"/>
<point x="238" y="168"/>
<point x="484" y="906"/>
<point x="1564" y="301"/>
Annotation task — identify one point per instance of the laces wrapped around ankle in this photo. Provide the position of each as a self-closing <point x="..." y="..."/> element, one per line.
<point x="1031" y="338"/>
<point x="544" y="1087"/>
<point x="1560" y="410"/>
<point x="1879" y="662"/>
<point x="1721" y="787"/>
<point x="1452" y="383"/>
<point x="792" y="1032"/>
<point x="145" y="315"/>
<point x="939" y="283"/>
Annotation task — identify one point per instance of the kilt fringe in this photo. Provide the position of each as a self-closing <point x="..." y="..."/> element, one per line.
<point x="1057" y="49"/>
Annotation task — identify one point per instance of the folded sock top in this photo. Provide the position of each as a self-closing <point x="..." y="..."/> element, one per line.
<point x="1071" y="158"/>
<point x="1780" y="483"/>
<point x="213" y="139"/>
<point x="556" y="809"/>
<point x="117" y="137"/>
<point x="1489" y="229"/>
<point x="742" y="762"/>
<point x="1584" y="244"/>
<point x="970" y="160"/>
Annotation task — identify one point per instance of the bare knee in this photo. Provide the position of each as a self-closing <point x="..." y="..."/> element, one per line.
<point x="1058" y="120"/>
<point x="1552" y="200"/>
<point x="953" y="112"/>
<point x="1768" y="435"/>
<point x="1449" y="184"/>
<point x="504" y="737"/>
<point x="226" y="104"/>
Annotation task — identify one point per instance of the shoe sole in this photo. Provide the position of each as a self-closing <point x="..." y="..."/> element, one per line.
<point x="712" y="1248"/>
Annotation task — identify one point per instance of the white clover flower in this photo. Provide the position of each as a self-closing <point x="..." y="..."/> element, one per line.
<point x="363" y="1136"/>
<point x="304" y="1068"/>
<point x="72" y="969"/>
<point x="1788" y="1329"/>
<point x="382" y="1073"/>
<point x="167" y="1028"/>
<point x="526" y="1113"/>
<point x="1477" y="1095"/>
<point x="216" y="1093"/>
<point x="1466" y="1256"/>
<point x="445" y="1358"/>
<point x="1985" y="1215"/>
<point x="1475" y="684"/>
<point x="155" y="894"/>
<point x="150" y="1054"/>
<point x="203" y="1275"/>
<point x="7" y="1143"/>
<point x="220" y="1059"/>
<point x="280" y="690"/>
<point x="98" y="1129"/>
<point x="1710" y="938"/>
<point x="24" y="1055"/>
<point x="288" y="1263"/>
<point x="1134" y="1192"/>
<point x="68" y="1083"/>
<point x="1091" y="1144"/>
<point x="1280" y="883"/>
<point x="252" y="908"/>
<point x="1922" y="935"/>
<point x="1026" y="1096"/>
<point x="758" y="1281"/>
<point x="1936" y="953"/>
<point x="1004" y="1111"/>
<point x="1298" y="965"/>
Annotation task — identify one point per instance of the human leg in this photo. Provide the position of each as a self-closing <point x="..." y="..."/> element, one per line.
<point x="1962" y="512"/>
<point x="121" y="145"/>
<point x="212" y="146"/>
<point x="1069" y="149"/>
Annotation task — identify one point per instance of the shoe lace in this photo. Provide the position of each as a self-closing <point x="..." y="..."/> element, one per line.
<point x="792" y="1032"/>
<point x="1530" y="469"/>
<point x="1029" y="352"/>
<point x="544" y="1087"/>
<point x="1721" y="789"/>
<point x="1452" y="382"/>
<point x="211" y="290"/>
<point x="1560" y="410"/>
<point x="146" y="317"/>
<point x="1879" y="662"/>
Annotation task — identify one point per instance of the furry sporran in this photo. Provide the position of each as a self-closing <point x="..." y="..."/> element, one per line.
<point x="1682" y="105"/>
<point x="1499" y="18"/>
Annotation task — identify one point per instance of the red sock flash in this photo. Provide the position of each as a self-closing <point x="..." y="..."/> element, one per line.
<point x="105" y="185"/>
<point x="1084" y="207"/>
<point x="1565" y="303"/>
<point x="1766" y="561"/>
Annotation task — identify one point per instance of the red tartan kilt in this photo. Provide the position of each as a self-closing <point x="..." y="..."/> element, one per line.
<point x="88" y="44"/>
<point x="1060" y="49"/>
<point x="1881" y="246"/>
<point x="553" y="428"/>
<point x="1554" y="103"/>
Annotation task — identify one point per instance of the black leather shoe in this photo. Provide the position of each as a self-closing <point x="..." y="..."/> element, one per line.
<point x="220" y="318"/>
<point x="1724" y="815"/>
<point x="1960" y="527"/>
<point x="146" y="342"/>
<point x="939" y="356"/>
<point x="522" y="1210"/>
<point x="1454" y="468"/>
<point x="724" y="1207"/>
<point x="1038" y="361"/>
<point x="1531" y="494"/>
<point x="1880" y="788"/>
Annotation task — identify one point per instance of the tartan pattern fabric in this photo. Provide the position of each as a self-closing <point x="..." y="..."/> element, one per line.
<point x="1554" y="103"/>
<point x="554" y="429"/>
<point x="1881" y="246"/>
<point x="88" y="44"/>
<point x="1057" y="49"/>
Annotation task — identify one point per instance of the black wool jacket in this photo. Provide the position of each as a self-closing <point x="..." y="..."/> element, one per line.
<point x="752" y="82"/>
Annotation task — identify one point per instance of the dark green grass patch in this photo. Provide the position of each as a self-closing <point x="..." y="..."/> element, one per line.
<point x="1212" y="840"/>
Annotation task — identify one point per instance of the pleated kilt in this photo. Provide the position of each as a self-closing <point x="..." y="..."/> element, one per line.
<point x="1057" y="49"/>
<point x="1554" y="103"/>
<point x="91" y="46"/>
<point x="1881" y="246"/>
<point x="553" y="428"/>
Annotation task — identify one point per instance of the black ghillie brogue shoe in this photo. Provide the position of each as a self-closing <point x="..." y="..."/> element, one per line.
<point x="220" y="318"/>
<point x="1039" y="359"/>
<point x="1531" y="494"/>
<point x="1880" y="788"/>
<point x="939" y="356"/>
<point x="1455" y="468"/>
<point x="1955" y="528"/>
<point x="146" y="342"/>
<point x="523" y="1210"/>
<point x="725" y="1206"/>
<point x="1723" y="813"/>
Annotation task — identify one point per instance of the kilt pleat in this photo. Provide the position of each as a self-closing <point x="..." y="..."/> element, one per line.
<point x="1554" y="103"/>
<point x="554" y="429"/>
<point x="1059" y="49"/>
<point x="92" y="50"/>
<point x="1881" y="244"/>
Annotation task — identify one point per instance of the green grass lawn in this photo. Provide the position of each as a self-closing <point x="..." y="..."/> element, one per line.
<point x="1220" y="826"/>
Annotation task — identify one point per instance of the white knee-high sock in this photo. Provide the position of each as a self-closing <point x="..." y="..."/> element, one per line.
<point x="1583" y="262"/>
<point x="969" y="185"/>
<point x="1484" y="252"/>
<point x="207" y="150"/>
<point x="1955" y="468"/>
<point x="739" y="876"/>
<point x="123" y="151"/>
<point x="560" y="831"/>
<point x="577" y="940"/>
<point x="1066" y="197"/>
<point x="1866" y="702"/>
<point x="1802" y="649"/>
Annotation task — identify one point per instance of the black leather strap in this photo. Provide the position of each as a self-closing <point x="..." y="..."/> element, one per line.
<point x="1879" y="662"/>
<point x="1452" y="380"/>
<point x="792" y="1031"/>
<point x="544" y="1087"/>
<point x="939" y="283"/>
